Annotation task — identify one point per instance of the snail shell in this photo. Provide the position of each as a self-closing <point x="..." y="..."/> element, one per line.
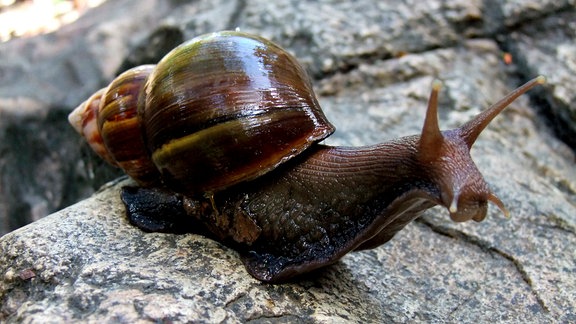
<point x="220" y="109"/>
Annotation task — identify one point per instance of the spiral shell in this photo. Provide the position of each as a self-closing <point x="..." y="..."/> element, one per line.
<point x="217" y="110"/>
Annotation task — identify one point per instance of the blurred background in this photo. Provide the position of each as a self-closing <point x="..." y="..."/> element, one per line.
<point x="25" y="18"/>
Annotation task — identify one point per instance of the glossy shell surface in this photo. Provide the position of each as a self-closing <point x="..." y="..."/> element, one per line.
<point x="119" y="125"/>
<point x="227" y="107"/>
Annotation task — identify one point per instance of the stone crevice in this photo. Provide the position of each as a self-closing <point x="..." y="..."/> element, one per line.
<point x="464" y="302"/>
<point x="486" y="246"/>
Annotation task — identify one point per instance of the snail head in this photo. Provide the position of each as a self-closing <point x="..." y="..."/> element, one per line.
<point x="445" y="155"/>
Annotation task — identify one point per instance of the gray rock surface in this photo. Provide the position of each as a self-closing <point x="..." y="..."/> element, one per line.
<point x="551" y="51"/>
<point x="373" y="63"/>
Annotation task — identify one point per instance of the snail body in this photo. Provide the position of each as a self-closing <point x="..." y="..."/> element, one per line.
<point x="222" y="136"/>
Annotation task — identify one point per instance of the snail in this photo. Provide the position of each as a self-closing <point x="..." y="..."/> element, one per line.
<point x="222" y="136"/>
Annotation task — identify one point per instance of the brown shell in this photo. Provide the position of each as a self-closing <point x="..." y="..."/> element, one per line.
<point x="120" y="129"/>
<point x="225" y="108"/>
<point x="84" y="120"/>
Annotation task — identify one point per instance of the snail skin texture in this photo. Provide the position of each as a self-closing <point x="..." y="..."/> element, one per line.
<point x="222" y="137"/>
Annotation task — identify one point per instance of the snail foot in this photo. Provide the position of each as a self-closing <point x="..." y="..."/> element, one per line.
<point x="156" y="210"/>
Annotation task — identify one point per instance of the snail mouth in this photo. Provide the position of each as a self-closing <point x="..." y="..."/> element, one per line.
<point x="462" y="210"/>
<point x="477" y="213"/>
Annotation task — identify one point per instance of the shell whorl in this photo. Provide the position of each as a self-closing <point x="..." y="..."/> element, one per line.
<point x="218" y="110"/>
<point x="237" y="106"/>
<point x="120" y="125"/>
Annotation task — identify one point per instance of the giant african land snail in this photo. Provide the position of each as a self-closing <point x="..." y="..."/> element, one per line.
<point x="222" y="137"/>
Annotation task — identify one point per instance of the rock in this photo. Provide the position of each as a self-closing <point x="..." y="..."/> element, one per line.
<point x="88" y="263"/>
<point x="373" y="64"/>
<point x="552" y="52"/>
<point x="329" y="38"/>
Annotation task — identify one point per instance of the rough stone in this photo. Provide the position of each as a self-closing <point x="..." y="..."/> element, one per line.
<point x="552" y="52"/>
<point x="373" y="65"/>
